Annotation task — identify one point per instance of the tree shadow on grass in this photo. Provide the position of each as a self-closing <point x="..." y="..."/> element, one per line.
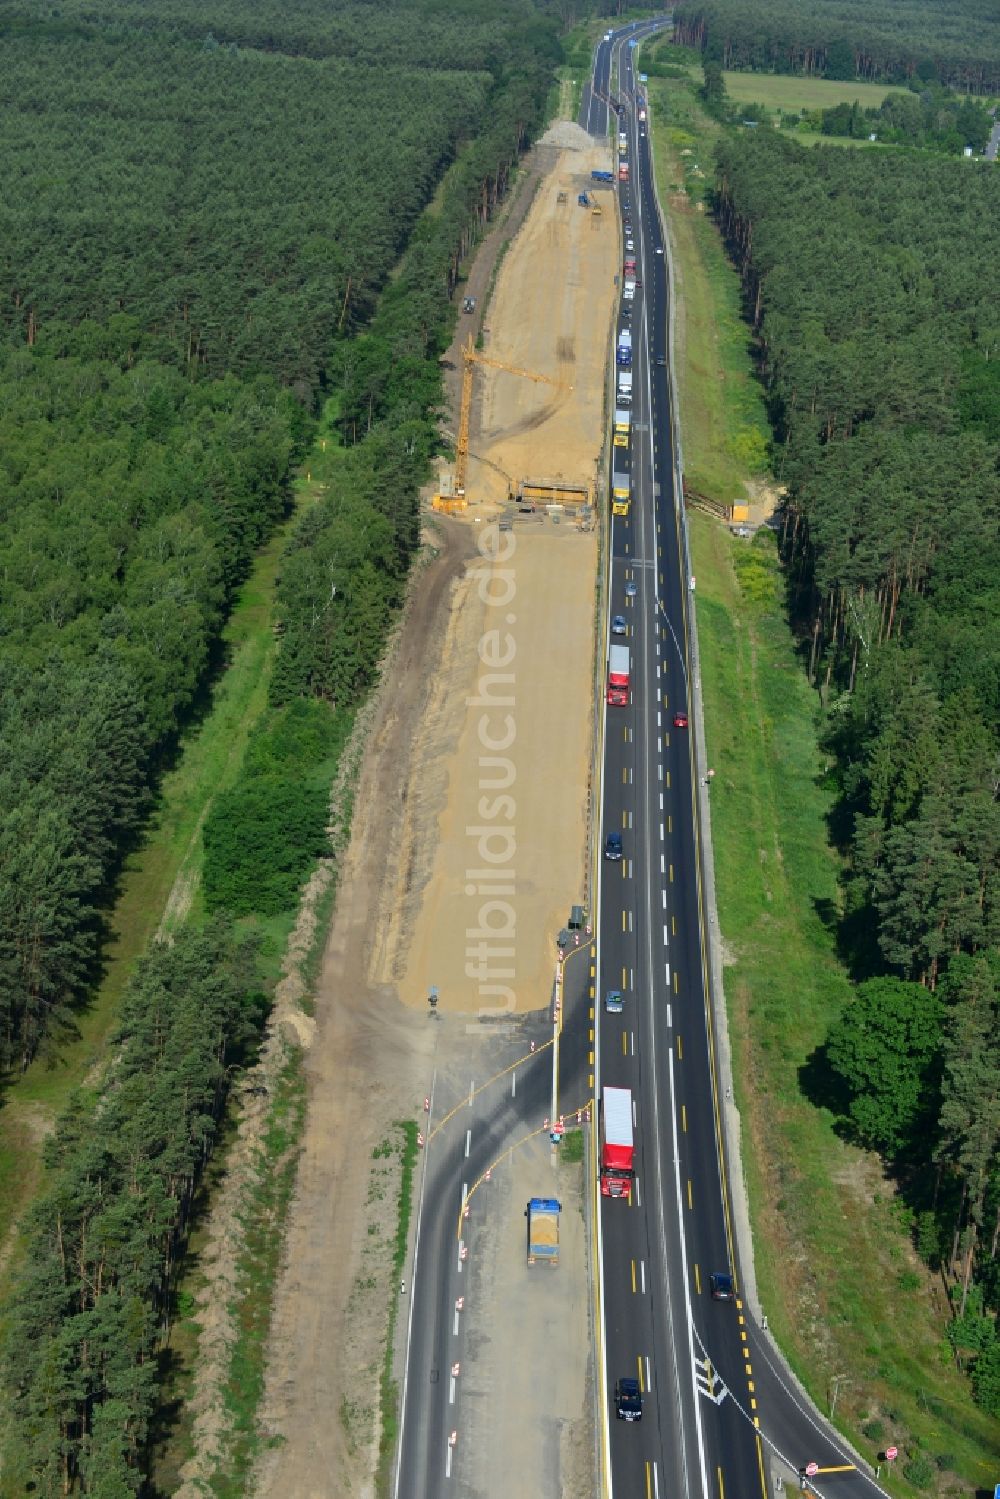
<point x="822" y="1085"/>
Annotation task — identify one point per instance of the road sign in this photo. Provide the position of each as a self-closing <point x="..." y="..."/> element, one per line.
<point x="891" y="1453"/>
<point x="811" y="1469"/>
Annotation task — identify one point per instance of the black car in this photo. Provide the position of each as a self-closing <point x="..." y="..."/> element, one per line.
<point x="722" y="1287"/>
<point x="613" y="846"/>
<point x="628" y="1400"/>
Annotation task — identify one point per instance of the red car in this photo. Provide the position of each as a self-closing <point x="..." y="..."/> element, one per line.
<point x="680" y="720"/>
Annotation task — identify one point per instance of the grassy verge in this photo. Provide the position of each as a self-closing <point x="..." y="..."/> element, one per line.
<point x="578" y="47"/>
<point x="571" y="1149"/>
<point x="166" y="863"/>
<point x="845" y="1294"/>
<point x="846" y="1297"/>
<point x="389" y="1424"/>
<point x="263" y="1229"/>
<point x="723" y="419"/>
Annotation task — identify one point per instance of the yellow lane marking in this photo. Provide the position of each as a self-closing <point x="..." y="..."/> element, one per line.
<point x="488" y="1084"/>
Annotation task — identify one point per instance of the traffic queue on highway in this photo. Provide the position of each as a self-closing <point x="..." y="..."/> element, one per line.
<point x="649" y="919"/>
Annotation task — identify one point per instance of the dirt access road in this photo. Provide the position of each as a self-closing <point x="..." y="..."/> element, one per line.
<point x="404" y="905"/>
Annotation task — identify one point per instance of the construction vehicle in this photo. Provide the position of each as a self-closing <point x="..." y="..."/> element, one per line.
<point x="456" y="499"/>
<point x="561" y="196"/>
<point x="595" y="212"/>
<point x="583" y="200"/>
<point x="542" y="1214"/>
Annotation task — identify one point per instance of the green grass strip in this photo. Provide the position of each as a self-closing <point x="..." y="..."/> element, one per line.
<point x="263" y="1227"/>
<point x="388" y="1386"/>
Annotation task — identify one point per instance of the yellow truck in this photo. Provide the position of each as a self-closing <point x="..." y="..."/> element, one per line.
<point x="623" y="421"/>
<point x="621" y="493"/>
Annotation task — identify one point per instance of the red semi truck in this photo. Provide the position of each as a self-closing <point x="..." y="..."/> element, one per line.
<point x="617" y="1148"/>
<point x="618" y="676"/>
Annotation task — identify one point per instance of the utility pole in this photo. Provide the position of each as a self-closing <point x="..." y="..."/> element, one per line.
<point x="836" y="1382"/>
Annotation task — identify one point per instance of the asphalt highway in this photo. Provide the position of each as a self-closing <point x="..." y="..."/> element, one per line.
<point x="722" y="1417"/>
<point x="658" y="1254"/>
<point x="458" y="1151"/>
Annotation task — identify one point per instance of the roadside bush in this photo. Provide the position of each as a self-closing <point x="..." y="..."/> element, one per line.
<point x="261" y="841"/>
<point x="757" y="570"/>
<point x="919" y="1471"/>
<point x="986" y="1376"/>
<point x="262" y="837"/>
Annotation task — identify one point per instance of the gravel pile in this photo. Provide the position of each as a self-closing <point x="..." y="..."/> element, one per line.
<point x="568" y="136"/>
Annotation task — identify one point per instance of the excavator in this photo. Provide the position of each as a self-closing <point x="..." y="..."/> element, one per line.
<point x="457" y="499"/>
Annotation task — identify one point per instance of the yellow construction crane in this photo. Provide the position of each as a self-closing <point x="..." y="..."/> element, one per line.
<point x="471" y="357"/>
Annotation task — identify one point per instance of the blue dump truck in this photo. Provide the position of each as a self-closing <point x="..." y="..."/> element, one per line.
<point x="542" y="1214"/>
<point x="602" y="176"/>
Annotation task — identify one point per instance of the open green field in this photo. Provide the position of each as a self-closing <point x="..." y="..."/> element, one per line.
<point x="792" y="94"/>
<point x="816" y="138"/>
<point x="846" y="1296"/>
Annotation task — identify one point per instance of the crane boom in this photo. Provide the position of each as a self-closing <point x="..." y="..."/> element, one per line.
<point x="472" y="357"/>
